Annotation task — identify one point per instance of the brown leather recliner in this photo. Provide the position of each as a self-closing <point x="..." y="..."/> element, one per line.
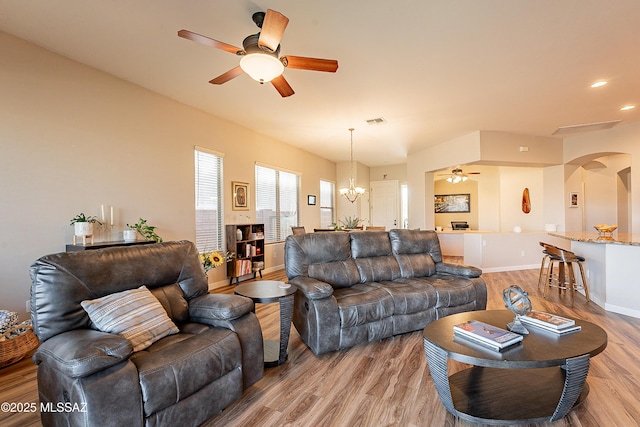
<point x="90" y="378"/>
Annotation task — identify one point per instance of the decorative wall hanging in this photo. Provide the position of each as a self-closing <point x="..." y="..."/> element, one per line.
<point x="526" y="202"/>
<point x="447" y="203"/>
<point x="574" y="201"/>
<point x="240" y="192"/>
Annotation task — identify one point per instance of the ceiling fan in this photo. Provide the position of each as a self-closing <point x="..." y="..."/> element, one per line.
<point x="457" y="175"/>
<point x="260" y="54"/>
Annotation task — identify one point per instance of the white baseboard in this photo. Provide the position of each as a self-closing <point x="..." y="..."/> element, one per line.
<point x="511" y="268"/>
<point x="622" y="310"/>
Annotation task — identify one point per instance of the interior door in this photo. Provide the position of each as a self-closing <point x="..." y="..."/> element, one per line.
<point x="385" y="204"/>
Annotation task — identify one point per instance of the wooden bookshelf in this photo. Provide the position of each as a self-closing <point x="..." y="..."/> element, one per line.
<point x="248" y="249"/>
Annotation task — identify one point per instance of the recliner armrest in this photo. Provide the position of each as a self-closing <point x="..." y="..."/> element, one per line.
<point x="458" y="269"/>
<point x="312" y="288"/>
<point x="82" y="352"/>
<point x="208" y="307"/>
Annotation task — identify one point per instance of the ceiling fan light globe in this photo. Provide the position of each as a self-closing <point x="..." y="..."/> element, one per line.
<point x="261" y="67"/>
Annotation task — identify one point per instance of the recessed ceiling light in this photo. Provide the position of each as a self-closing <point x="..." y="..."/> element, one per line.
<point x="599" y="84"/>
<point x="628" y="107"/>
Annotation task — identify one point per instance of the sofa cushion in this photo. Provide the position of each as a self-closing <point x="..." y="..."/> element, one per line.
<point x="415" y="265"/>
<point x="173" y="302"/>
<point x="362" y="303"/>
<point x="339" y="274"/>
<point x="366" y="244"/>
<point x="452" y="290"/>
<point x="416" y="242"/>
<point x="375" y="269"/>
<point x="134" y="314"/>
<point x="303" y="250"/>
<point x="171" y="373"/>
<point x="410" y="295"/>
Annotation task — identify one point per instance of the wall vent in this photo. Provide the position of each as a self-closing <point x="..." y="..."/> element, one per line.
<point x="376" y="121"/>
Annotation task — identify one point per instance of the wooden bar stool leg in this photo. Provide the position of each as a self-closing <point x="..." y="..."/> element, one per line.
<point x="548" y="278"/>
<point x="562" y="281"/>
<point x="584" y="282"/>
<point x="543" y="271"/>
<point x="571" y="285"/>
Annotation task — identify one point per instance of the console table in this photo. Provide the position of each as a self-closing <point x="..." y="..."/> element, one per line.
<point x="102" y="245"/>
<point x="539" y="380"/>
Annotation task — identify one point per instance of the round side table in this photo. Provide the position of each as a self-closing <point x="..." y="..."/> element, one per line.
<point x="265" y="292"/>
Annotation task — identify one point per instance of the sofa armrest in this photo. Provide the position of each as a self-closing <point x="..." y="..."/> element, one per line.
<point x="458" y="269"/>
<point x="209" y="307"/>
<point x="312" y="288"/>
<point x="82" y="352"/>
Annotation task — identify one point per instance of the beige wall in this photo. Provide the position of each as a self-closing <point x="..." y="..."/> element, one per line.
<point x="73" y="138"/>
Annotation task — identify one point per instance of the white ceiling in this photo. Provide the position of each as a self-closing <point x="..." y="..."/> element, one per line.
<point x="434" y="69"/>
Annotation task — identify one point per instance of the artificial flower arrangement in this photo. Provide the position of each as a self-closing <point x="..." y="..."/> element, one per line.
<point x="214" y="259"/>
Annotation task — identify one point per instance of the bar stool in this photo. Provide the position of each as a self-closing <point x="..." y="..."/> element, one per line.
<point x="544" y="266"/>
<point x="564" y="278"/>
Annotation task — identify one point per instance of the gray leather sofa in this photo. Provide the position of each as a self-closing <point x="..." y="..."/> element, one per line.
<point x="182" y="379"/>
<point x="363" y="286"/>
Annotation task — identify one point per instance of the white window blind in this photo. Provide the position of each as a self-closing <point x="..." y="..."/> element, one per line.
<point x="276" y="202"/>
<point x="327" y="190"/>
<point x="209" y="198"/>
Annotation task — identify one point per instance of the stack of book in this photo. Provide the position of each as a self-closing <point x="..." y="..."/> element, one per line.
<point x="243" y="267"/>
<point x="549" y="322"/>
<point x="486" y="335"/>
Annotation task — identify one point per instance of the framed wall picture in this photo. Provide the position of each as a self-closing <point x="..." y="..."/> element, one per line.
<point x="448" y="203"/>
<point x="574" y="200"/>
<point x="311" y="200"/>
<point x="240" y="192"/>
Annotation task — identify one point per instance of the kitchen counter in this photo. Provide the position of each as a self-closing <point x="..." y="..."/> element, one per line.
<point x="610" y="268"/>
<point x="594" y="237"/>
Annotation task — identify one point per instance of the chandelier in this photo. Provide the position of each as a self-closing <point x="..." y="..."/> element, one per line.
<point x="352" y="193"/>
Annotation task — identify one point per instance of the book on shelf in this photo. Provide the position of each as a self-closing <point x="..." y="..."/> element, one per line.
<point x="243" y="267"/>
<point x="549" y="321"/>
<point x="487" y="335"/>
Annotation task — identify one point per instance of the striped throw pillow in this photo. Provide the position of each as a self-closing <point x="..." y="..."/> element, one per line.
<point x="134" y="314"/>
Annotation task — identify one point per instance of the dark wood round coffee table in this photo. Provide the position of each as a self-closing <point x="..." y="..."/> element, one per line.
<point x="265" y="292"/>
<point x="539" y="380"/>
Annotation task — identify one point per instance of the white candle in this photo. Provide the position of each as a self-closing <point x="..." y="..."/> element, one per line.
<point x="112" y="216"/>
<point x="102" y="210"/>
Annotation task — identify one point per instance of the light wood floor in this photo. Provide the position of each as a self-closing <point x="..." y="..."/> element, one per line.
<point x="386" y="383"/>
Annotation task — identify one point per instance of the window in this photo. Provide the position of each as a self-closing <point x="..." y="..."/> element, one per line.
<point x="209" y="208"/>
<point x="276" y="202"/>
<point x="327" y="190"/>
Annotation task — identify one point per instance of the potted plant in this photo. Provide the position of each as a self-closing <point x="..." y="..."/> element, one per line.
<point x="145" y="230"/>
<point x="83" y="225"/>
<point x="348" y="223"/>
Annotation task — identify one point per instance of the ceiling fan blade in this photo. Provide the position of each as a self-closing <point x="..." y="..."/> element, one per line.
<point x="273" y="28"/>
<point x="223" y="78"/>
<point x="313" y="64"/>
<point x="282" y="86"/>
<point x="189" y="35"/>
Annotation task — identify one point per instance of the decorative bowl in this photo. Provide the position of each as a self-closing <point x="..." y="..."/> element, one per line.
<point x="605" y="228"/>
